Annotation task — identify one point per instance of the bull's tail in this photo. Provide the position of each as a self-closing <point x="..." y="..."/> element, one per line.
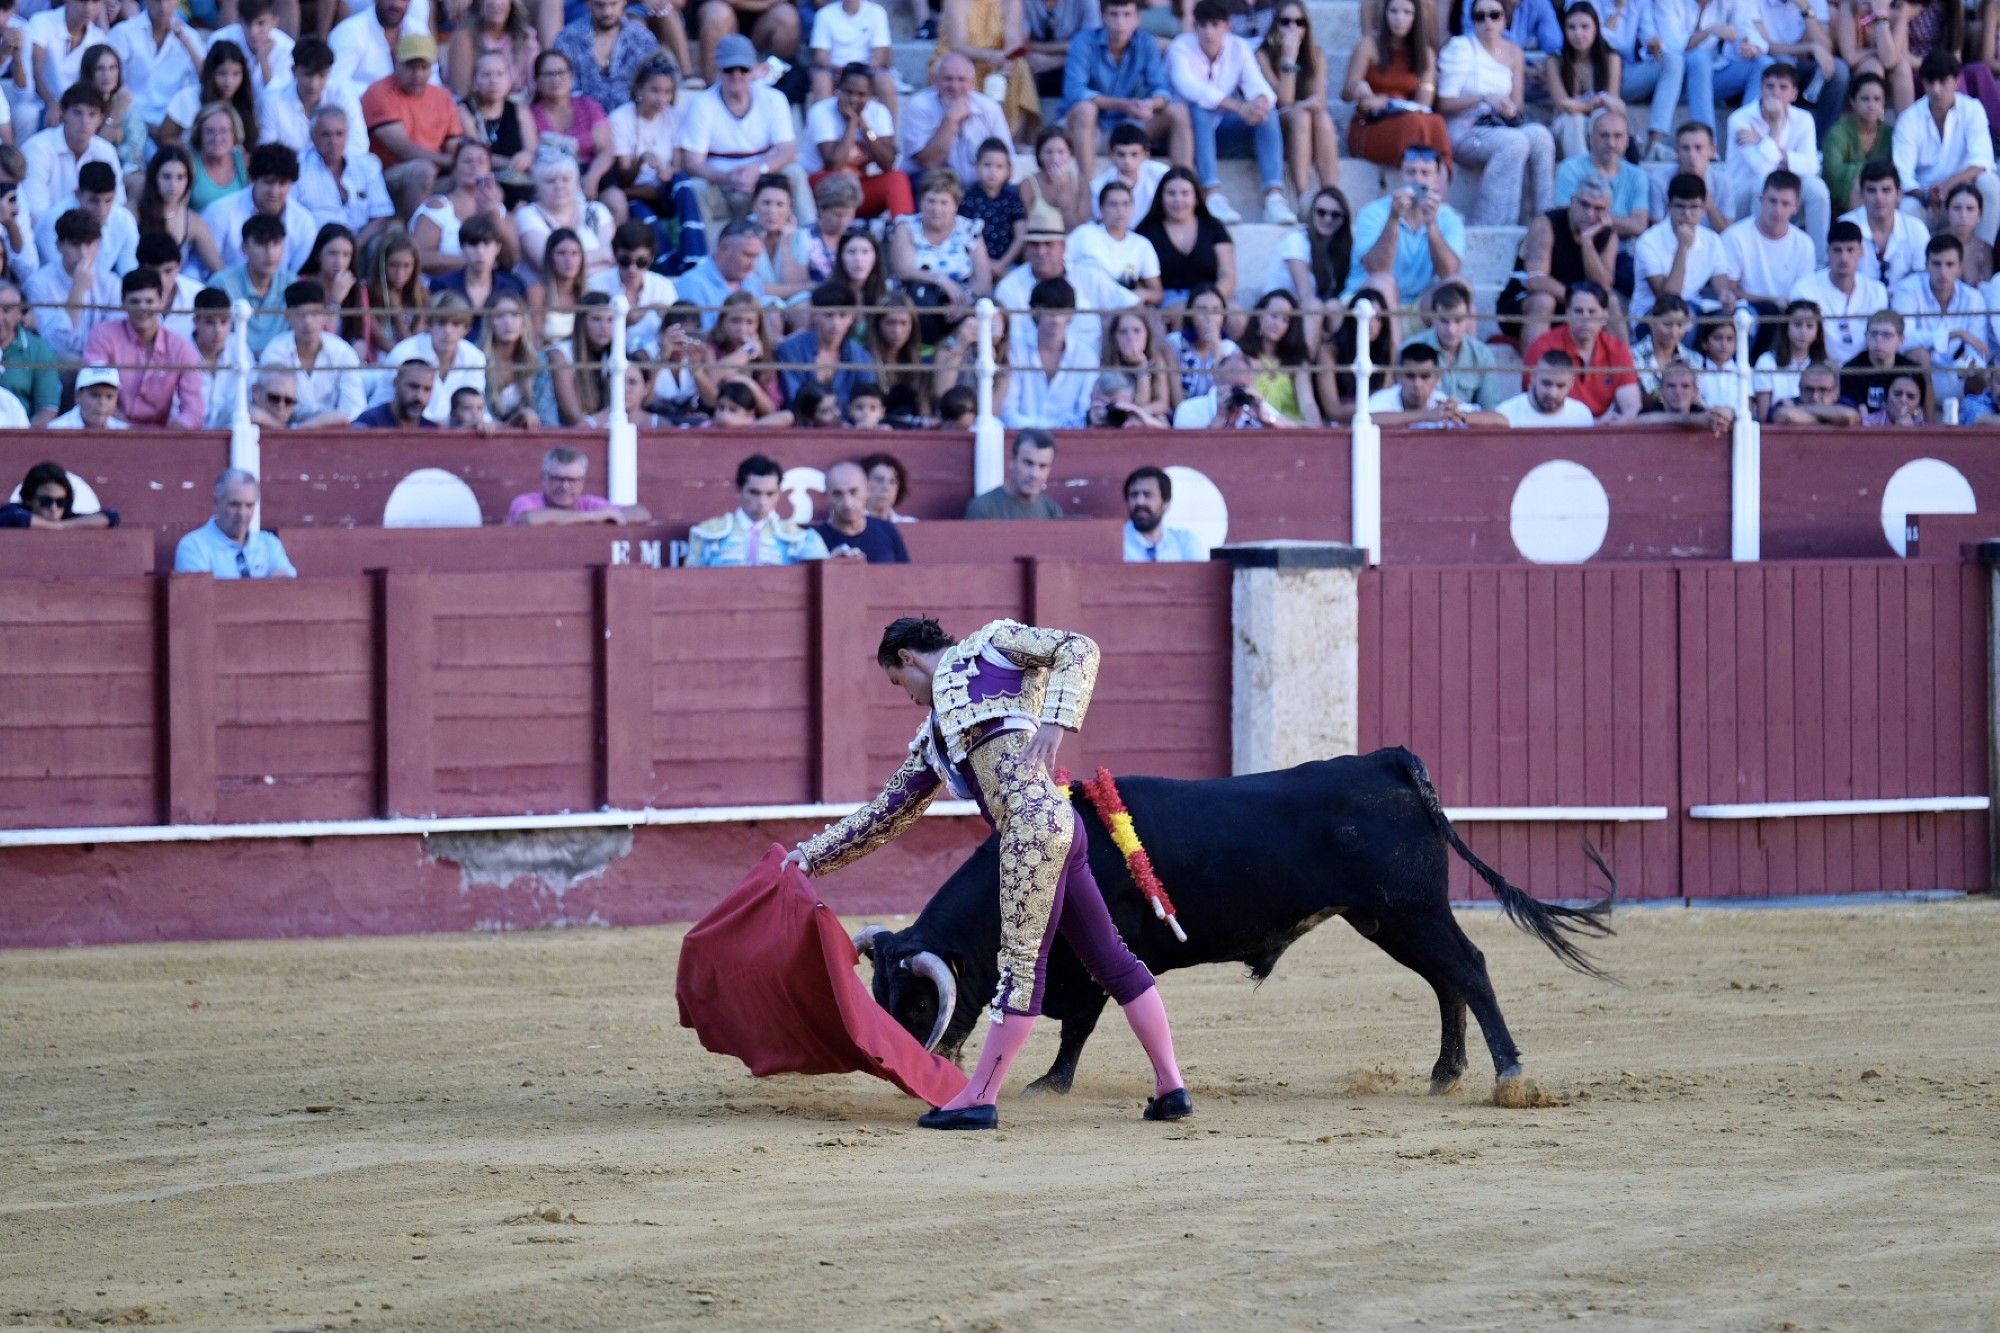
<point x="1553" y="924"/>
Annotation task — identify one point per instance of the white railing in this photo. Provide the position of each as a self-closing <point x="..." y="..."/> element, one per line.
<point x="989" y="439"/>
<point x="621" y="455"/>
<point x="1746" y="456"/>
<point x="1365" y="465"/>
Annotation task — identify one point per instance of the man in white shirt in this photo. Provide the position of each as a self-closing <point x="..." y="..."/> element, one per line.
<point x="160" y="56"/>
<point x="1052" y="372"/>
<point x="285" y="111"/>
<point x="1149" y="493"/>
<point x="1694" y="155"/>
<point x="1044" y="255"/>
<point x="853" y="132"/>
<point x="341" y="183"/>
<point x="852" y="32"/>
<point x="1846" y="296"/>
<point x="56" y="154"/>
<point x="96" y="401"/>
<point x="364" y="44"/>
<point x="1775" y="135"/>
<point x="326" y="370"/>
<point x="274" y="169"/>
<point x="1796" y="31"/>
<point x="1132" y="163"/>
<point x="1943" y="142"/>
<point x="1547" y="401"/>
<point x="71" y="296"/>
<point x="268" y="46"/>
<point x="1232" y="404"/>
<point x="162" y="253"/>
<point x="1767" y="254"/>
<point x="1678" y="256"/>
<point x="1127" y="257"/>
<point x="96" y="194"/>
<point x="55" y="63"/>
<point x="735" y="132"/>
<point x="1944" y="320"/>
<point x="1215" y="72"/>
<point x="1417" y="398"/>
<point x="1892" y="241"/>
<point x="944" y="124"/>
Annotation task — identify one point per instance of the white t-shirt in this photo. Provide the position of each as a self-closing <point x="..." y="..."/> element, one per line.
<point x="1843" y="320"/>
<point x="631" y="137"/>
<point x="1520" y="411"/>
<point x="13" y="416"/>
<point x="281" y="56"/>
<point x="1128" y="261"/>
<point x="847" y="37"/>
<point x="655" y="290"/>
<point x="73" y="419"/>
<point x="1763" y="266"/>
<point x="468" y="371"/>
<point x="1655" y="258"/>
<point x="50" y="31"/>
<point x="1151" y="173"/>
<point x="824" y="124"/>
<point x="713" y="130"/>
<point x="1391" y="399"/>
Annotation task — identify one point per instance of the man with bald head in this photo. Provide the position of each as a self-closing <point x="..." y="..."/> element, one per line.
<point x="944" y="124"/>
<point x="849" y="532"/>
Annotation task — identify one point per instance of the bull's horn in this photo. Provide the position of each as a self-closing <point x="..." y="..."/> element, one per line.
<point x="932" y="969"/>
<point x="864" y="939"/>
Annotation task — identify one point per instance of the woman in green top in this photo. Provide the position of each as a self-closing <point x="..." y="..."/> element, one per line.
<point x="1275" y="342"/>
<point x="1861" y="136"/>
<point x="219" y="167"/>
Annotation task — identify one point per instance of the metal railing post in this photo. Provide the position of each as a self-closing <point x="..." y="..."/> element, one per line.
<point x="621" y="481"/>
<point x="1746" y="455"/>
<point x="246" y="441"/>
<point x="1365" y="464"/>
<point x="989" y="438"/>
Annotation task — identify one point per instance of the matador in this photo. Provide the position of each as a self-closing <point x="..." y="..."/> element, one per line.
<point x="999" y="702"/>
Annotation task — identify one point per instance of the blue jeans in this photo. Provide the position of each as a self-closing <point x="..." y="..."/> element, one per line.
<point x="1716" y="73"/>
<point x="1662" y="80"/>
<point x="1270" y="143"/>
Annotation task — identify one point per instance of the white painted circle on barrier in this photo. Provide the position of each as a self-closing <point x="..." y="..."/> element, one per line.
<point x="797" y="486"/>
<point x="1560" y="514"/>
<point x="431" y="497"/>
<point x="84" y="500"/>
<point x="1198" y="506"/>
<point x="1923" y="486"/>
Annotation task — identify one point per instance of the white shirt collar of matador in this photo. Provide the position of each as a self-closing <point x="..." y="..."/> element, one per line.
<point x="1060" y="672"/>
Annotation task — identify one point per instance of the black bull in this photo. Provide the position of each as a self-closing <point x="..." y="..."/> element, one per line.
<point x="1251" y="863"/>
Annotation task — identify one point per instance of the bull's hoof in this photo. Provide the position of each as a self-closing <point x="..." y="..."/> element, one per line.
<point x="1515" y="1090"/>
<point x="1049" y="1084"/>
<point x="966" y="1117"/>
<point x="1444" y="1084"/>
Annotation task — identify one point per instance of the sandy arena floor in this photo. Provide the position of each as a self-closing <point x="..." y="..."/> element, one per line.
<point x="1784" y="1120"/>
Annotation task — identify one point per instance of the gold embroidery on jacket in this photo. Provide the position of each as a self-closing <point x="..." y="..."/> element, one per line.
<point x="904" y="797"/>
<point x="1060" y="673"/>
<point x="1036" y="827"/>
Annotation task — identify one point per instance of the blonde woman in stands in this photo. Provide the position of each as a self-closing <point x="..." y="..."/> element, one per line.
<point x="1392" y="81"/>
<point x="581" y="373"/>
<point x="1295" y="67"/>
<point x="518" y="383"/>
<point x="396" y="294"/>
<point x="938" y="245"/>
<point x="1058" y="180"/>
<point x="735" y="345"/>
<point x="1482" y="92"/>
<point x="444" y="343"/>
<point x="562" y="287"/>
<point x="559" y="204"/>
<point x="1130" y="347"/>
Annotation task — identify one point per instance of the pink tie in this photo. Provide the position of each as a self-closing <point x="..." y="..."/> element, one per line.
<point x="756" y="536"/>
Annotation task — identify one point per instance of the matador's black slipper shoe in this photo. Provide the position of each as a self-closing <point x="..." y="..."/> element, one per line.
<point x="968" y="1117"/>
<point x="1176" y="1105"/>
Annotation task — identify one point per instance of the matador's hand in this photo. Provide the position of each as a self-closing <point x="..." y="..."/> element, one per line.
<point x="1041" y="751"/>
<point x="797" y="857"/>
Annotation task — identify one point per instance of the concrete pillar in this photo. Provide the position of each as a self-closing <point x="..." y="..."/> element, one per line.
<point x="1989" y="559"/>
<point x="1295" y="615"/>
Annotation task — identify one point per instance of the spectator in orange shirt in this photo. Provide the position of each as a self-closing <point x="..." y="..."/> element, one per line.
<point x="413" y="125"/>
<point x="1606" y="382"/>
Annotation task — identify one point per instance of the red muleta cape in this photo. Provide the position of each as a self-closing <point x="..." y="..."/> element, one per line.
<point x="768" y="977"/>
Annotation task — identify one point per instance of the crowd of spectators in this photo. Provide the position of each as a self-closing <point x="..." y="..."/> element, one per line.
<point x="430" y="206"/>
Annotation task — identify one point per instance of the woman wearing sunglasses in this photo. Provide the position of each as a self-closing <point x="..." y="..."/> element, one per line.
<point x="1295" y="67"/>
<point x="1482" y="89"/>
<point x="49" y="501"/>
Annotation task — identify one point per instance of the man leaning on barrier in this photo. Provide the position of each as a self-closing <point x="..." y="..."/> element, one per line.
<point x="562" y="499"/>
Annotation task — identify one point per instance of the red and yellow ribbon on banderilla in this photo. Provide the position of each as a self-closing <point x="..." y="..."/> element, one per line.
<point x="1102" y="792"/>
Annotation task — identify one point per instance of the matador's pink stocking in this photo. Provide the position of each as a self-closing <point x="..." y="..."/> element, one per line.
<point x="1148" y="1016"/>
<point x="1003" y="1042"/>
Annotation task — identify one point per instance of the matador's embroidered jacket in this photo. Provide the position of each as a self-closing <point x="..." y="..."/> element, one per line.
<point x="1006" y="679"/>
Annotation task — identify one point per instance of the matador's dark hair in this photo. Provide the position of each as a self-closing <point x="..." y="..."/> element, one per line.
<point x="920" y="634"/>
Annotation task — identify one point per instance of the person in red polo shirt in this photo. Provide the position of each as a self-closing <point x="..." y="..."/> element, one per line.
<point x="412" y="125"/>
<point x="1605" y="380"/>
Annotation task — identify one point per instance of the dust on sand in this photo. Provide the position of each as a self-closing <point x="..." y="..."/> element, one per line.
<point x="1782" y="1119"/>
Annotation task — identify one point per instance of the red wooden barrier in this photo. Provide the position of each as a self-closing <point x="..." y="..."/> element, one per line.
<point x="85" y="553"/>
<point x="335" y="551"/>
<point x="1533" y="688"/>
<point x="1826" y="492"/>
<point x="1833" y="682"/>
